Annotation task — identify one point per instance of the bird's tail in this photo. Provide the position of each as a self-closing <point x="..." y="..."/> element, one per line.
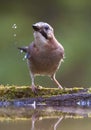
<point x="23" y="49"/>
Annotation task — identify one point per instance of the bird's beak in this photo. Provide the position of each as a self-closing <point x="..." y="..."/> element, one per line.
<point x="35" y="27"/>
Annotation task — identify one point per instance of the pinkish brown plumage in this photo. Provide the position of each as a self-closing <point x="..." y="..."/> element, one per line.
<point x="44" y="54"/>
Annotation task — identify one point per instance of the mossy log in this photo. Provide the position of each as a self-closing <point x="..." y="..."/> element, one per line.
<point x="49" y="96"/>
<point x="19" y="92"/>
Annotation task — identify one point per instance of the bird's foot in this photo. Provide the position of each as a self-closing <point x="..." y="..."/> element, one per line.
<point x="34" y="89"/>
<point x="60" y="87"/>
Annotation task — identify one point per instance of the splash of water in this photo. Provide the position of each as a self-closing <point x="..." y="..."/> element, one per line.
<point x="14" y="35"/>
<point x="25" y="57"/>
<point x="21" y="51"/>
<point x="14" y="26"/>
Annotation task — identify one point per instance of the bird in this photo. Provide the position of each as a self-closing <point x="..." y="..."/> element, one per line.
<point x="44" y="55"/>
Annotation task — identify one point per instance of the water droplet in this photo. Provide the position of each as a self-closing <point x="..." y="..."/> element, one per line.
<point x="14" y="35"/>
<point x="25" y="57"/>
<point x="21" y="51"/>
<point x="14" y="26"/>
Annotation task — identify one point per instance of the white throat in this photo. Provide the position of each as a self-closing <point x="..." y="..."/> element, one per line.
<point x="39" y="39"/>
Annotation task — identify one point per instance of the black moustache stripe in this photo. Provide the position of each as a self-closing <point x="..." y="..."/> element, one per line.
<point x="44" y="34"/>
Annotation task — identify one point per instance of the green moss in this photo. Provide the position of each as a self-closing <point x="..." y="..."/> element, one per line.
<point x="89" y="90"/>
<point x="17" y="92"/>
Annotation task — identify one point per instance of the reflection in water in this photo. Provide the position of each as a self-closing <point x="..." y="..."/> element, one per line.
<point x="33" y="104"/>
<point x="44" y="102"/>
<point x="57" y="123"/>
<point x="34" y="118"/>
<point x="33" y="123"/>
<point x="84" y="103"/>
<point x="42" y="117"/>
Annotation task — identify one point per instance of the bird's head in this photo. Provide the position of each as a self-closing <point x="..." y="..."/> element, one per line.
<point x="42" y="31"/>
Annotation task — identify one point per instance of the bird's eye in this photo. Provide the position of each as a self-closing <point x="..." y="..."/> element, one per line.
<point x="46" y="27"/>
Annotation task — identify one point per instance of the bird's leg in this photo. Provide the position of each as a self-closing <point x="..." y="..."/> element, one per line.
<point x="56" y="82"/>
<point x="33" y="84"/>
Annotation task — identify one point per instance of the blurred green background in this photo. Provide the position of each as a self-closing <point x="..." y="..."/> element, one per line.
<point x="71" y="20"/>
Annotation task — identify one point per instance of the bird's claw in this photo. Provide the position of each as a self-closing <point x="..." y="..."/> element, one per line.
<point x="34" y="89"/>
<point x="60" y="87"/>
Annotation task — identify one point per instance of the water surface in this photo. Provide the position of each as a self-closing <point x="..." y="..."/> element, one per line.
<point x="45" y="118"/>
